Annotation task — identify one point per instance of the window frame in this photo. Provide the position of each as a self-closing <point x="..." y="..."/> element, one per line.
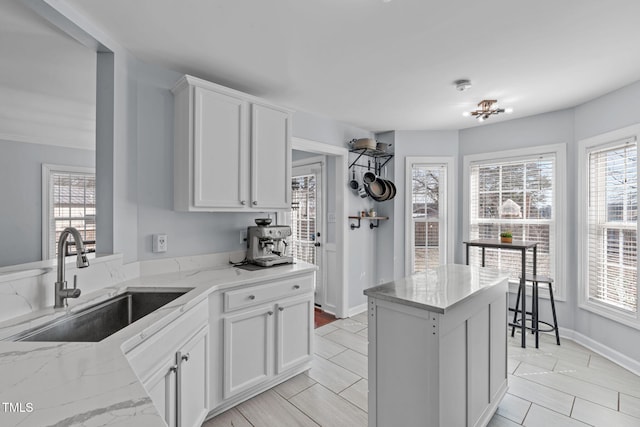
<point x="560" y="208"/>
<point x="447" y="238"/>
<point x="585" y="147"/>
<point x="47" y="194"/>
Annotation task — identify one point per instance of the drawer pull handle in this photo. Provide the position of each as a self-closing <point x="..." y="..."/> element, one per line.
<point x="174" y="368"/>
<point x="296" y="286"/>
<point x="270" y="313"/>
<point x="185" y="357"/>
<point x="252" y="297"/>
<point x="281" y="308"/>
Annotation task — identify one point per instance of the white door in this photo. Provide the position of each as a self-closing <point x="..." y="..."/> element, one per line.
<point x="270" y="157"/>
<point x="307" y="219"/>
<point x="193" y="358"/>
<point x="248" y="349"/>
<point x="221" y="145"/>
<point x="294" y="320"/>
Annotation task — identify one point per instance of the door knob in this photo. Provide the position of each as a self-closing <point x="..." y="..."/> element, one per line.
<point x="316" y="244"/>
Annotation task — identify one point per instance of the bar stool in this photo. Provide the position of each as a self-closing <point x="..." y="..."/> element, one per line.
<point x="535" y="321"/>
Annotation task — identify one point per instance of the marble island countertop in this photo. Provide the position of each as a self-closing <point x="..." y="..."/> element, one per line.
<point x="68" y="383"/>
<point x="438" y="290"/>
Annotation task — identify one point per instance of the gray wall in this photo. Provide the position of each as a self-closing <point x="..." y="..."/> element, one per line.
<point x="543" y="129"/>
<point x="613" y="111"/>
<point x="21" y="209"/>
<point x="391" y="256"/>
<point x="47" y="115"/>
<point x="188" y="233"/>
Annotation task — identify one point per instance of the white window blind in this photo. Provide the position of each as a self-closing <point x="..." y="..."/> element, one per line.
<point x="71" y="202"/>
<point x="516" y="195"/>
<point x="428" y="216"/>
<point x="303" y="218"/>
<point x="612" y="225"/>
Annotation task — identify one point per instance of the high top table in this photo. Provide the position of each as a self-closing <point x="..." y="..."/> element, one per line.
<point x="516" y="245"/>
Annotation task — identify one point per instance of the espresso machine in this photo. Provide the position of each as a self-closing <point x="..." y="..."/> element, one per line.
<point x="266" y="244"/>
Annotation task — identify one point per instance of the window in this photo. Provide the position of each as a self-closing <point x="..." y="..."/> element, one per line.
<point x="428" y="181"/>
<point x="69" y="200"/>
<point x="610" y="223"/>
<point x="303" y="217"/>
<point x="518" y="191"/>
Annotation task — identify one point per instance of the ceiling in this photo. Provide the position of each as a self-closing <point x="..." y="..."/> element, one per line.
<point x="389" y="65"/>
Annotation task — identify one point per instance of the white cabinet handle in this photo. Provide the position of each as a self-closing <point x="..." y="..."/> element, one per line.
<point x="243" y="202"/>
<point x="255" y="203"/>
<point x="174" y="368"/>
<point x="185" y="357"/>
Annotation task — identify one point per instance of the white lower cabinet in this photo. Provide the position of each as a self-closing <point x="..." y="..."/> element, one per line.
<point x="248" y="349"/>
<point x="294" y="320"/>
<point x="265" y="338"/>
<point x="173" y="367"/>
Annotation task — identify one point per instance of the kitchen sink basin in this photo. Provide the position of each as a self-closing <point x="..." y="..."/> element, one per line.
<point x="102" y="320"/>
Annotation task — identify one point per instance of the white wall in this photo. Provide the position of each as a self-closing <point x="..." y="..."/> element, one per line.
<point x="47" y="82"/>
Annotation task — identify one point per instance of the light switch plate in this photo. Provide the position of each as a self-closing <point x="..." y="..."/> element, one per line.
<point x="331" y="218"/>
<point x="160" y="243"/>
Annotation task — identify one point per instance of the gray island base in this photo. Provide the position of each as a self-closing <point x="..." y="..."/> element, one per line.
<point x="438" y="348"/>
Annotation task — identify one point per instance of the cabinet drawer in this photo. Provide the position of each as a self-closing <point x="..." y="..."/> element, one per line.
<point x="258" y="294"/>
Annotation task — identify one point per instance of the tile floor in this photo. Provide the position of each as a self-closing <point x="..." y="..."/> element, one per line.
<point x="551" y="386"/>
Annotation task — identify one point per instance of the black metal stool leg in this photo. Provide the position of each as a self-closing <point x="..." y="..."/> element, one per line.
<point x="534" y="307"/>
<point x="515" y="314"/>
<point x="553" y="310"/>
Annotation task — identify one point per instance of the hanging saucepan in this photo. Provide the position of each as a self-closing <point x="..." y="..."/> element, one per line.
<point x="393" y="190"/>
<point x="354" y="183"/>
<point x="387" y="190"/>
<point x="376" y="189"/>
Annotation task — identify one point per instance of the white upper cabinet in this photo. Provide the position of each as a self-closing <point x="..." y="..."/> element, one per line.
<point x="232" y="151"/>
<point x="270" y="163"/>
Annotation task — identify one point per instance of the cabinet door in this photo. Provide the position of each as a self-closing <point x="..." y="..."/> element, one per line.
<point x="248" y="349"/>
<point x="161" y="387"/>
<point x="294" y="336"/>
<point x="193" y="392"/>
<point x="220" y="150"/>
<point x="270" y="157"/>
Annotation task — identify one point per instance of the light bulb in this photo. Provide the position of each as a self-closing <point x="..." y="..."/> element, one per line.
<point x="466" y="114"/>
<point x="508" y="110"/>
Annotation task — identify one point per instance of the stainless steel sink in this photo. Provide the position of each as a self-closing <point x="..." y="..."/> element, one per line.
<point x="102" y="320"/>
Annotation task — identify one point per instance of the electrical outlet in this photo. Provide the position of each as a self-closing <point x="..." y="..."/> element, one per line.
<point x="331" y="218"/>
<point x="243" y="236"/>
<point x="159" y="243"/>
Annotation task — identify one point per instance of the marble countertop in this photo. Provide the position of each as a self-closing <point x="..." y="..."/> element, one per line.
<point x="68" y="384"/>
<point x="438" y="290"/>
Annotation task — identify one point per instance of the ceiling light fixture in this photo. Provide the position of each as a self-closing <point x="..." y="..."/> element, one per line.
<point x="487" y="108"/>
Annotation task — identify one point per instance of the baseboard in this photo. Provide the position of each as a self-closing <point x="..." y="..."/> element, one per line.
<point x="603" y="350"/>
<point x="357" y="309"/>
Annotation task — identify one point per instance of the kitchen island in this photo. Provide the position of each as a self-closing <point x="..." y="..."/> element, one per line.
<point x="438" y="347"/>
